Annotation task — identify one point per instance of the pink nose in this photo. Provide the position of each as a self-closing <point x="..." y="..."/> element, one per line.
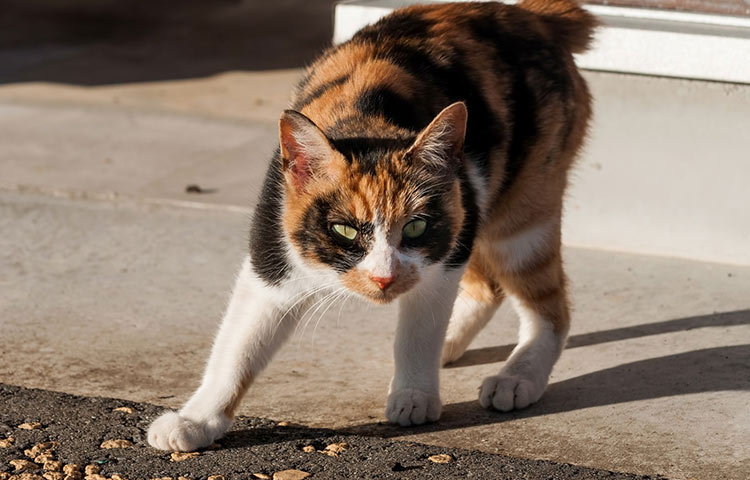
<point x="382" y="282"/>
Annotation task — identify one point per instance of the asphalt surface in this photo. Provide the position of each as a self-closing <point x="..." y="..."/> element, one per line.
<point x="79" y="426"/>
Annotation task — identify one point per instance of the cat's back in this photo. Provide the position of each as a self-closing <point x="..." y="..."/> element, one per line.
<point x="412" y="63"/>
<point x="512" y="65"/>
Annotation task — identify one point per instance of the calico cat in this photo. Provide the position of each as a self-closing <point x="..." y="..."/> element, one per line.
<point x="425" y="160"/>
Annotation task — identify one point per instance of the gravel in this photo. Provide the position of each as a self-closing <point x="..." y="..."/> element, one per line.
<point x="72" y="430"/>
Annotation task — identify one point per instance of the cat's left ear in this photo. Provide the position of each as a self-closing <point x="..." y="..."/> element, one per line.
<point x="305" y="150"/>
<point x="440" y="145"/>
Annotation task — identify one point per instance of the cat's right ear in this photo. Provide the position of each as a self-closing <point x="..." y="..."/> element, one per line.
<point x="440" y="145"/>
<point x="304" y="148"/>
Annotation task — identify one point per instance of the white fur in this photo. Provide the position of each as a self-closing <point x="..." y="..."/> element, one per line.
<point x="434" y="147"/>
<point x="414" y="395"/>
<point x="310" y="140"/>
<point x="524" y="376"/>
<point x="258" y="319"/>
<point x="518" y="250"/>
<point x="382" y="259"/>
<point x="468" y="319"/>
<point x="385" y="259"/>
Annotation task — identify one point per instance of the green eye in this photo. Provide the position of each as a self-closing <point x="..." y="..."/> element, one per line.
<point x="344" y="232"/>
<point x="415" y="228"/>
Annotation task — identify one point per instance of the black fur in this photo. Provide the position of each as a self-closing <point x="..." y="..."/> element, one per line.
<point x="314" y="235"/>
<point x="410" y="114"/>
<point x="267" y="248"/>
<point x="465" y="241"/>
<point x="305" y="100"/>
<point x="369" y="152"/>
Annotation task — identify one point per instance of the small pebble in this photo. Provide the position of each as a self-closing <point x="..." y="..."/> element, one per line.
<point x="290" y="475"/>
<point x="308" y="449"/>
<point x="44" y="458"/>
<point x="216" y="477"/>
<point x="262" y="476"/>
<point x="288" y="424"/>
<point x="440" y="458"/>
<point x="53" y="475"/>
<point x="26" y="476"/>
<point x="71" y="468"/>
<point x="95" y="476"/>
<point x="53" y="466"/>
<point x="182" y="456"/>
<point x="116" y="476"/>
<point x="118" y="443"/>
<point x="183" y="478"/>
<point x="334" y="449"/>
<point x="123" y="410"/>
<point x="30" y="426"/>
<point x="4" y="476"/>
<point x="92" y="469"/>
<point x="23" y="465"/>
<point x="45" y="446"/>
<point x="162" y="478"/>
<point x="6" y="442"/>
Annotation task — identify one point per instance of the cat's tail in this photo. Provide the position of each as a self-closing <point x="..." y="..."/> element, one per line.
<point x="569" y="24"/>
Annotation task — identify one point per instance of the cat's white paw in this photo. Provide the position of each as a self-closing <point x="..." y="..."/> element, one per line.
<point x="173" y="432"/>
<point x="410" y="406"/>
<point x="506" y="392"/>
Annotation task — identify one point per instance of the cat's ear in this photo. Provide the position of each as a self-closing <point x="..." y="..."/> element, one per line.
<point x="440" y="145"/>
<point x="305" y="150"/>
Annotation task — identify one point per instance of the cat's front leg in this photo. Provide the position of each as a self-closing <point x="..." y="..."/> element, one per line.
<point x="258" y="319"/>
<point x="414" y="395"/>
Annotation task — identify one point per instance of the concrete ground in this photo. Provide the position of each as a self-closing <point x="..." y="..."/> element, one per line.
<point x="113" y="278"/>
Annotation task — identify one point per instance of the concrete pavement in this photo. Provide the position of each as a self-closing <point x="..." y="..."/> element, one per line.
<point x="122" y="297"/>
<point x="113" y="278"/>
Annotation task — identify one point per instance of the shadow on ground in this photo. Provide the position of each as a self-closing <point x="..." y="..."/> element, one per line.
<point x="480" y="356"/>
<point x="706" y="370"/>
<point x="124" y="41"/>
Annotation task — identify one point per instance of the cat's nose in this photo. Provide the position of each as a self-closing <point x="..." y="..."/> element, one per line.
<point x="382" y="282"/>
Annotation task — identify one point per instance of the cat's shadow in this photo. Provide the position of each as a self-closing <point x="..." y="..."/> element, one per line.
<point x="706" y="370"/>
<point x="499" y="353"/>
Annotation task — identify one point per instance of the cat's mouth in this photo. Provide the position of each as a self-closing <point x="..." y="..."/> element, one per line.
<point x="382" y="296"/>
<point x="364" y="287"/>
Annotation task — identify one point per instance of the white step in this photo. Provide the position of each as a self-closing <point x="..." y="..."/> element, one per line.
<point x="666" y="170"/>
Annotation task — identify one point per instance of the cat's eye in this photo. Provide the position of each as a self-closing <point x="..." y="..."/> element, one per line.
<point x="415" y="228"/>
<point x="345" y="233"/>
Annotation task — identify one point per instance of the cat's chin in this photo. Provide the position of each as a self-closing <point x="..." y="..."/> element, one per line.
<point x="383" y="297"/>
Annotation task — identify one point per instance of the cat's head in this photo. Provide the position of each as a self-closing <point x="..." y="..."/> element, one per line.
<point x="373" y="214"/>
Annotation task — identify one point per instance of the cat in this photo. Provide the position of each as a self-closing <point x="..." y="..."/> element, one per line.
<point x="425" y="159"/>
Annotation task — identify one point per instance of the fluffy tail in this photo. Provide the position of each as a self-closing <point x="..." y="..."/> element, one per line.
<point x="567" y="21"/>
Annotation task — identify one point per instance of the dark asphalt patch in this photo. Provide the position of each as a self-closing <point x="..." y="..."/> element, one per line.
<point x="255" y="445"/>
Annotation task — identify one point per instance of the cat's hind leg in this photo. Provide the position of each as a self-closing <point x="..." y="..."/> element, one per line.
<point x="478" y="299"/>
<point x="258" y="319"/>
<point x="529" y="270"/>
